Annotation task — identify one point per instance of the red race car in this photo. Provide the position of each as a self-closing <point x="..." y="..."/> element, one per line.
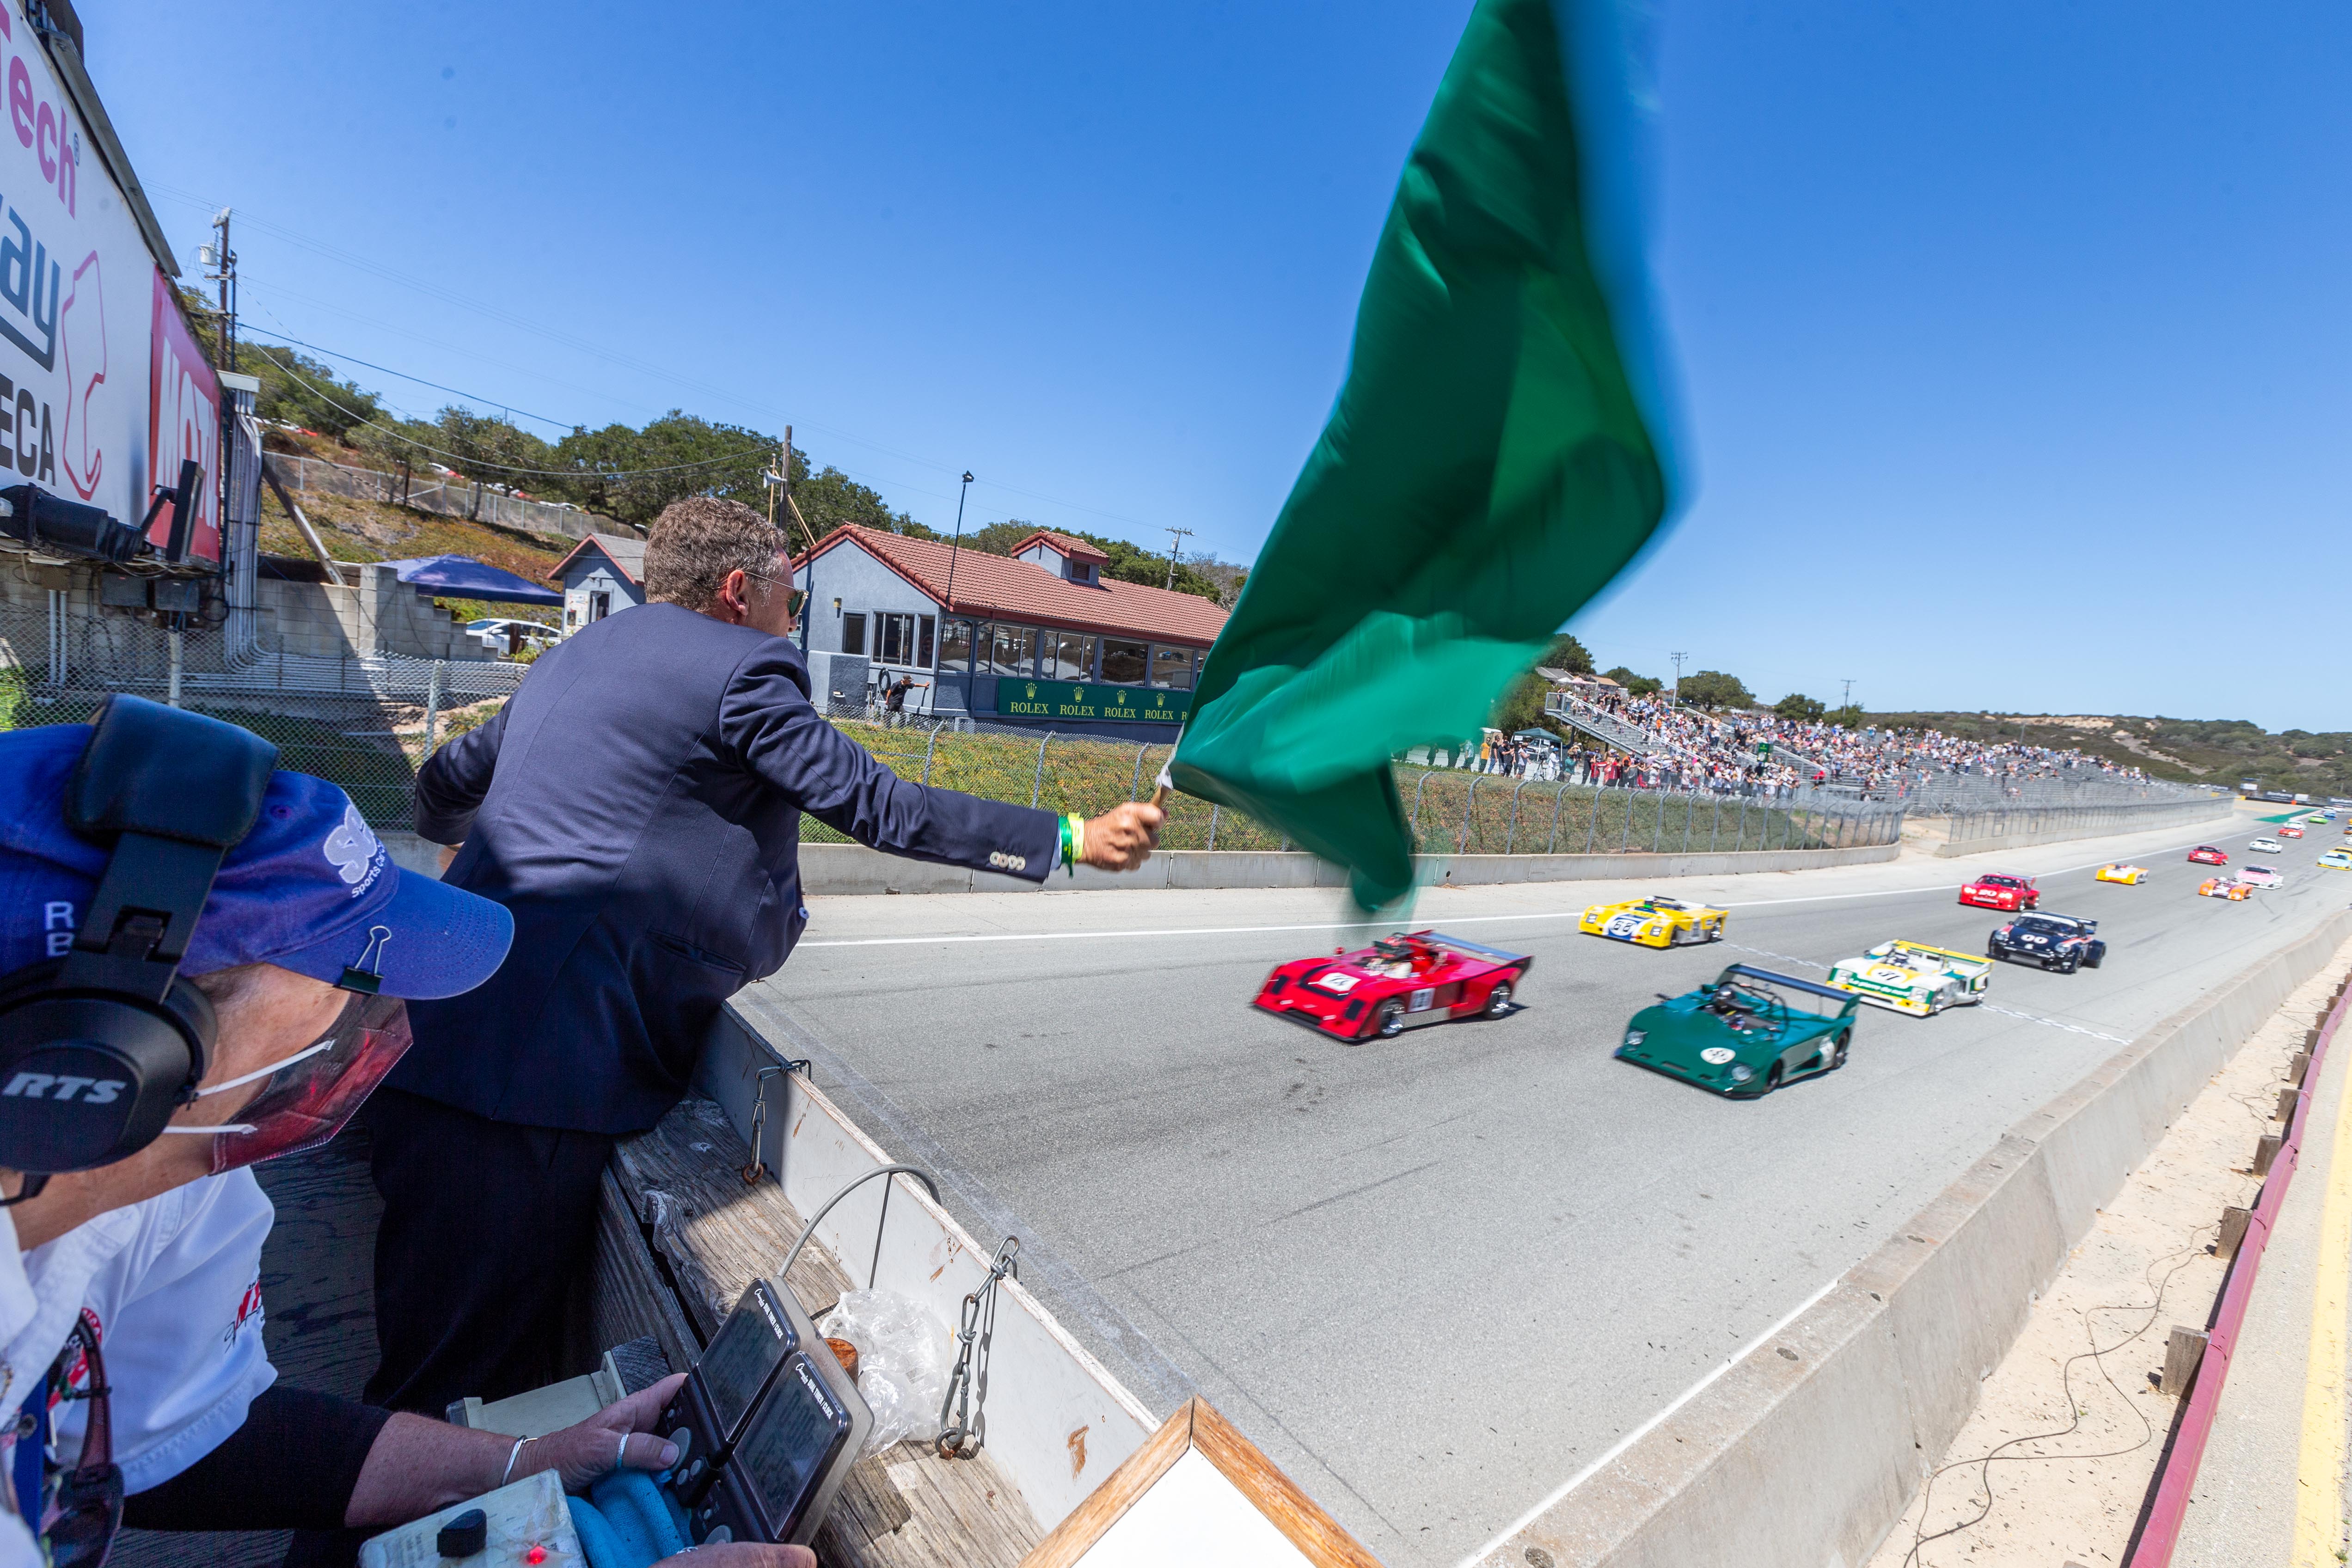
<point x="2205" y="855"/>
<point x="2290" y="833"/>
<point x="1394" y="984"/>
<point x="1995" y="890"/>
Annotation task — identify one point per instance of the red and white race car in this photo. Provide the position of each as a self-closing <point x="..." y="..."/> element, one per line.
<point x="2205" y="855"/>
<point x="1997" y="890"/>
<point x="1395" y="984"/>
<point x="2290" y="832"/>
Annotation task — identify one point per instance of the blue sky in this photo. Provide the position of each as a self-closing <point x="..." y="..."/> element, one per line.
<point x="2014" y="336"/>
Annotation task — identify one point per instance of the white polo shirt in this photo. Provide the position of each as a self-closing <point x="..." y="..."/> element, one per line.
<point x="173" y="1286"/>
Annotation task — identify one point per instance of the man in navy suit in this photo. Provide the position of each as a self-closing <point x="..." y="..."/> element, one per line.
<point x="636" y="807"/>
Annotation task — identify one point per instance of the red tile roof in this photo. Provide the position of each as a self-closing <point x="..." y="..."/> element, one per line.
<point x="1073" y="548"/>
<point x="1022" y="590"/>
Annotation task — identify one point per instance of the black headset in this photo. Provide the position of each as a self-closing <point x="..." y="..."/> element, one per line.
<point x="99" y="1048"/>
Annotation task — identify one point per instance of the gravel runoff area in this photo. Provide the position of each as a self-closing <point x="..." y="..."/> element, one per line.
<point x="1291" y="1222"/>
<point x="2058" y="1458"/>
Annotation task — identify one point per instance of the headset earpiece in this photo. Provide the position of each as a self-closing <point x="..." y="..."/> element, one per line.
<point x="98" y="1048"/>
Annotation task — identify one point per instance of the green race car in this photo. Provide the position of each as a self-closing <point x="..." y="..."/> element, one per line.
<point x="1746" y="1034"/>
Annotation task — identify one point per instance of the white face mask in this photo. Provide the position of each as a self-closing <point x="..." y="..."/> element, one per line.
<point x="247" y="1077"/>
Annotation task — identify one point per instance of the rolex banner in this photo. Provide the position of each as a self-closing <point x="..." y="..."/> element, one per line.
<point x="1496" y="454"/>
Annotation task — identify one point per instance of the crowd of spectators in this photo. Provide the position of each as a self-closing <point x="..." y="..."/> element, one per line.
<point x="1724" y="752"/>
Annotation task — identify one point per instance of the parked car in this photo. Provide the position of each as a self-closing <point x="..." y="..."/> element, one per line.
<point x="508" y="636"/>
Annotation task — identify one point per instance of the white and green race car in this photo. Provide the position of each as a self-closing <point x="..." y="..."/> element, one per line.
<point x="1912" y="977"/>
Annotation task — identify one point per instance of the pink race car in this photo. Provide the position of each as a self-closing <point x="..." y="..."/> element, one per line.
<point x="1395" y="984"/>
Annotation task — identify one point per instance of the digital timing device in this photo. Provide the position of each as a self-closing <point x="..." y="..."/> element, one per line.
<point x="766" y="1424"/>
<point x="100" y="1044"/>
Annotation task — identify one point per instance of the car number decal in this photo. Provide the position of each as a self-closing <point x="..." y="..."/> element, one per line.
<point x="1421" y="999"/>
<point x="1716" y="1056"/>
<point x="1624" y="925"/>
<point x="1337" y="984"/>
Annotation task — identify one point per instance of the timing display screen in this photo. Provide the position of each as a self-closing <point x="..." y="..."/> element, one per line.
<point x="754" y="1338"/>
<point x="783" y="1455"/>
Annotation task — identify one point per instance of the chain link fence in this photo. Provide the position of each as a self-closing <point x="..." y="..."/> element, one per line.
<point x="368" y="724"/>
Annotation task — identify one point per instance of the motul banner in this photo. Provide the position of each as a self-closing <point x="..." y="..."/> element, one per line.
<point x="182" y="421"/>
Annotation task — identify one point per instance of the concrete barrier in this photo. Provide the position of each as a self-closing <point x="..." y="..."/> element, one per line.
<point x="853" y="869"/>
<point x="1806" y="1450"/>
<point x="2057" y="825"/>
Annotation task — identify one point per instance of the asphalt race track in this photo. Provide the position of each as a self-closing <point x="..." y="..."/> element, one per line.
<point x="1437" y="1277"/>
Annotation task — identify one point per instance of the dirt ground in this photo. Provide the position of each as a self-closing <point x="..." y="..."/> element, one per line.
<point x="2054" y="1465"/>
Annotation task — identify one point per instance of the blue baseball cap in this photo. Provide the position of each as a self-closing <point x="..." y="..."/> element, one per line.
<point x="311" y="888"/>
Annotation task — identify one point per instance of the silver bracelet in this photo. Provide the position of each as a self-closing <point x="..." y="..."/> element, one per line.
<point x="512" y="1454"/>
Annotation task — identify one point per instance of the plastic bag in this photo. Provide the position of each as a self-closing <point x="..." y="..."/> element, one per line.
<point x="902" y="1362"/>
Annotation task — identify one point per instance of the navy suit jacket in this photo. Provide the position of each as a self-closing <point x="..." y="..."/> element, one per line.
<point x="637" y="804"/>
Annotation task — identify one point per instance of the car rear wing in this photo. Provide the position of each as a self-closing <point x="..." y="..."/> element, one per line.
<point x="1439" y="938"/>
<point x="1811" y="988"/>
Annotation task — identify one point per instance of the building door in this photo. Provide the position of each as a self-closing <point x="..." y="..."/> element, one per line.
<point x="600" y="605"/>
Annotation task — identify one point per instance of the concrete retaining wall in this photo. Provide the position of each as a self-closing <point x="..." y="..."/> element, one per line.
<point x="853" y="869"/>
<point x="2057" y="825"/>
<point x="1807" y="1450"/>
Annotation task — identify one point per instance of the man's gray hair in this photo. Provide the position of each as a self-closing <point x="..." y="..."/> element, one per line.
<point x="696" y="543"/>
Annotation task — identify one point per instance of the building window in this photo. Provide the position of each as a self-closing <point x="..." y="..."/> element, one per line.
<point x="853" y="634"/>
<point x="923" y="632"/>
<point x="1125" y="663"/>
<point x="1172" y="667"/>
<point x="1014" y="651"/>
<point x="955" y="647"/>
<point x="894" y="638"/>
<point x="1068" y="656"/>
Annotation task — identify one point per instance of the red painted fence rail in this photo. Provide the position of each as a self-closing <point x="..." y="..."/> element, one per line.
<point x="2174" y="1481"/>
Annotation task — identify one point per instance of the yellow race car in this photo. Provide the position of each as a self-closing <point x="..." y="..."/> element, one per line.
<point x="2119" y="872"/>
<point x="1654" y="921"/>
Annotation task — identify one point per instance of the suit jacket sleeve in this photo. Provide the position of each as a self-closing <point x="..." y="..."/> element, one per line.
<point x="766" y="718"/>
<point x="453" y="780"/>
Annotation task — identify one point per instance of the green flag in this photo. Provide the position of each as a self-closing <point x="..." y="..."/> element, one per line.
<point x="1495" y="457"/>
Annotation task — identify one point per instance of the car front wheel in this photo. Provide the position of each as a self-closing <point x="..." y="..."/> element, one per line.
<point x="1388" y="1019"/>
<point x="1837" y="1056"/>
<point x="1498" y="1000"/>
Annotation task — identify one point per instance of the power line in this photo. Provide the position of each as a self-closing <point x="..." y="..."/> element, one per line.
<point x="353" y="260"/>
<point x="752" y="452"/>
<point x="387" y="369"/>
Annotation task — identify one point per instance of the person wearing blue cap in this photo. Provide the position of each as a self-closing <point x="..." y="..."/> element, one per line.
<point x="239" y="991"/>
<point x="636" y="803"/>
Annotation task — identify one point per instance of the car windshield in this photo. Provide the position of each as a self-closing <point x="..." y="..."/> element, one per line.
<point x="1999" y="881"/>
<point x="2045" y="926"/>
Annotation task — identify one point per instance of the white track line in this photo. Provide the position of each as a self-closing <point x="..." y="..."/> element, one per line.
<point x="1646" y="1428"/>
<point x="1459" y="920"/>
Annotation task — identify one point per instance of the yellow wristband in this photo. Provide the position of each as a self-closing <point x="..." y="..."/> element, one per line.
<point x="1077" y="841"/>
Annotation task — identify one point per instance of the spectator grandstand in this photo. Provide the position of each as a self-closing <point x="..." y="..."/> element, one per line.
<point x="1653" y="743"/>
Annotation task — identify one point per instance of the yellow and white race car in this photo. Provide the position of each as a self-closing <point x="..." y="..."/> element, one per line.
<point x="1654" y="921"/>
<point x="2119" y="872"/>
<point x="1912" y="977"/>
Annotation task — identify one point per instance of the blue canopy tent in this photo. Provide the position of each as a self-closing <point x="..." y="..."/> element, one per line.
<point x="462" y="577"/>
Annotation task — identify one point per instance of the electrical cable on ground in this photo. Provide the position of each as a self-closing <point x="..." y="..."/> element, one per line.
<point x="2095" y="1356"/>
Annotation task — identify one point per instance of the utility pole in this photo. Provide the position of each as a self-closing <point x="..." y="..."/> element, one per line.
<point x="1176" y="537"/>
<point x="219" y="257"/>
<point x="1678" y="658"/>
<point x="1849" y="692"/>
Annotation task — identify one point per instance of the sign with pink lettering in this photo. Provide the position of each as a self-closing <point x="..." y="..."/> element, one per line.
<point x="182" y="421"/>
<point x="81" y="314"/>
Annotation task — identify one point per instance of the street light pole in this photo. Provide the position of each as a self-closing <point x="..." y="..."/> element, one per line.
<point x="949" y="608"/>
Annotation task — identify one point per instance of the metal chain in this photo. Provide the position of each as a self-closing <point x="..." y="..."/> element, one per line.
<point x="968" y="1383"/>
<point x="755" y="1168"/>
